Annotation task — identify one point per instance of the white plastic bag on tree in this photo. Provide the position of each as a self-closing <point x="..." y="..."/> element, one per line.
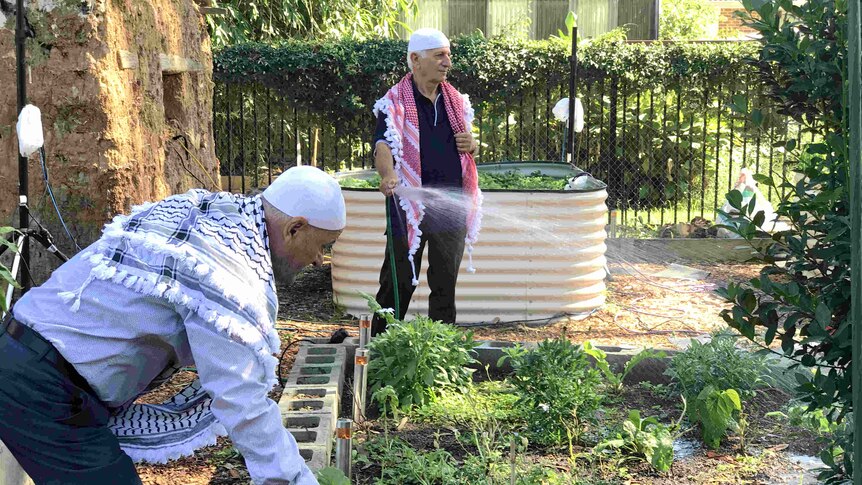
<point x="29" y="128"/>
<point x="747" y="186"/>
<point x="561" y="113"/>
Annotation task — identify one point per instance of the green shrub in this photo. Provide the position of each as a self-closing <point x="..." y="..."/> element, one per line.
<point x="686" y="19"/>
<point x="419" y="357"/>
<point x="717" y="412"/>
<point x="372" y="182"/>
<point x="558" y="390"/>
<point x="615" y="381"/>
<point x="802" y="297"/>
<point x="719" y="364"/>
<point x="485" y="401"/>
<point x="644" y="438"/>
<point x="6" y="276"/>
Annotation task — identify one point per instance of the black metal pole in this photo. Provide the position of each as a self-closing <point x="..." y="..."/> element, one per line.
<point x="573" y="80"/>
<point x="23" y="179"/>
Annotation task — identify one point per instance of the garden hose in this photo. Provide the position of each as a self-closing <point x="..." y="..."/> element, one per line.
<point x="397" y="290"/>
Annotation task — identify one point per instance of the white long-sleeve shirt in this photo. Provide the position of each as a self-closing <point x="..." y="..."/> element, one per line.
<point x="120" y="340"/>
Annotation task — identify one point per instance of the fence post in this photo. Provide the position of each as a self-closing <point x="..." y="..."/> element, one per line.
<point x="615" y="178"/>
<point x="573" y="81"/>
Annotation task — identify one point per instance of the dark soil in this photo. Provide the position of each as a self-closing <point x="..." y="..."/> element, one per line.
<point x="764" y="460"/>
<point x="306" y="310"/>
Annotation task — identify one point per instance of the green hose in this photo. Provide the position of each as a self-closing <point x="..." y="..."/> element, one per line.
<point x="392" y="262"/>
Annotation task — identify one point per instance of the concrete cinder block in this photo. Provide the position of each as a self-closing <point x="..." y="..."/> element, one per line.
<point x="309" y="399"/>
<point x="318" y="365"/>
<point x="313" y="434"/>
<point x="488" y="352"/>
<point x="650" y="370"/>
<point x="316" y="458"/>
<point x="349" y="345"/>
<point x="311" y="429"/>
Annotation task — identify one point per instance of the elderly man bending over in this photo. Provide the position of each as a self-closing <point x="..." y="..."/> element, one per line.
<point x="424" y="140"/>
<point x="186" y="281"/>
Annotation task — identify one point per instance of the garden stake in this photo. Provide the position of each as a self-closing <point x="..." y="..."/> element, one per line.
<point x="512" y="460"/>
<point x="343" y="445"/>
<point x="364" y="330"/>
<point x="360" y="374"/>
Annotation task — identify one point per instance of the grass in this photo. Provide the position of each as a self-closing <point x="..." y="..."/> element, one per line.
<point x="486" y="401"/>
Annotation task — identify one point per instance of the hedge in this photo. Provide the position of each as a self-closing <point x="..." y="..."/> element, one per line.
<point x="343" y="78"/>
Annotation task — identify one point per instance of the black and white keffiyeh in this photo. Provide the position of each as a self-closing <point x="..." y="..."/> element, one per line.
<point x="207" y="252"/>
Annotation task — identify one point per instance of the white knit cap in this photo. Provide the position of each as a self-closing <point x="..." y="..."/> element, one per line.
<point x="426" y="38"/>
<point x="311" y="193"/>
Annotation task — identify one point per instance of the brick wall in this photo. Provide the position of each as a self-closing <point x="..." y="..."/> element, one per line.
<point x="730" y="25"/>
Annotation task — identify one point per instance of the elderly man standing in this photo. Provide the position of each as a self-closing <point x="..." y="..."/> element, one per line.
<point x="423" y="140"/>
<point x="189" y="280"/>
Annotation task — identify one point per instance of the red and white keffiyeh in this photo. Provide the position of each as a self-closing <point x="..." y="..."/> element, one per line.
<point x="402" y="136"/>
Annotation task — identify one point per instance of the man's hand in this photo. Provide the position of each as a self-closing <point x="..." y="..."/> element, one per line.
<point x="465" y="142"/>
<point x="387" y="185"/>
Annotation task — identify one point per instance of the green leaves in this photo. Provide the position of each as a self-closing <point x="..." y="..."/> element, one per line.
<point x="274" y="20"/>
<point x="717" y="364"/>
<point x="645" y="438"/>
<point x="557" y="389"/>
<point x="6" y="277"/>
<point x="332" y="476"/>
<point x="413" y="360"/>
<point x="685" y="19"/>
<point x="615" y="380"/>
<point x="716" y="411"/>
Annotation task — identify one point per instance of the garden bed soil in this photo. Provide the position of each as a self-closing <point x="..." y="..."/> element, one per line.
<point x="766" y="460"/>
<point x="642" y="311"/>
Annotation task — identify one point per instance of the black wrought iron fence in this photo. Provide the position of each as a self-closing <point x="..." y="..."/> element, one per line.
<point x="668" y="153"/>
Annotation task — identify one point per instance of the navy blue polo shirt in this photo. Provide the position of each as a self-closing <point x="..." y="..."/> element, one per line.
<point x="438" y="155"/>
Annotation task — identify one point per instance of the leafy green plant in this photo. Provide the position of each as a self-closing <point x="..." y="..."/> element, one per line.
<point x="558" y="390"/>
<point x="6" y="277"/>
<point x="419" y="357"/>
<point x="510" y="180"/>
<point x="372" y="182"/>
<point x="513" y="180"/>
<point x="615" y="381"/>
<point x="801" y="299"/>
<point x="717" y="363"/>
<point x="402" y="464"/>
<point x="274" y="20"/>
<point x="717" y="411"/>
<point x="686" y="19"/>
<point x="646" y="438"/>
<point x="799" y="415"/>
<point x="480" y="403"/>
<point x="332" y="476"/>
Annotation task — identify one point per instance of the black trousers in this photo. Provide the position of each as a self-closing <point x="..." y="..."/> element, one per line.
<point x="51" y="421"/>
<point x="445" y="250"/>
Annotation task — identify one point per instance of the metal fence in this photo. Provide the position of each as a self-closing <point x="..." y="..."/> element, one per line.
<point x="667" y="153"/>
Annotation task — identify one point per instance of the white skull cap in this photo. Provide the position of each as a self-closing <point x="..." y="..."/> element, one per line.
<point x="311" y="193"/>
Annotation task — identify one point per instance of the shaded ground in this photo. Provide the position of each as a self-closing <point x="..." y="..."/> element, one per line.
<point x="642" y="311"/>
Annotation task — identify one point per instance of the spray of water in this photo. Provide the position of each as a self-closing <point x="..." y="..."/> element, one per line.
<point x="449" y="206"/>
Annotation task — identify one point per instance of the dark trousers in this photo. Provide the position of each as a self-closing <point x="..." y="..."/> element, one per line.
<point x="52" y="423"/>
<point x="445" y="250"/>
